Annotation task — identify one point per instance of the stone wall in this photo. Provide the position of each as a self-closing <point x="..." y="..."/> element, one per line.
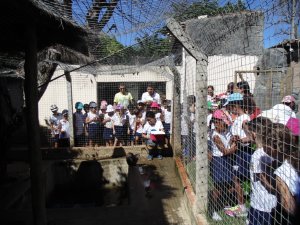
<point x="237" y="33"/>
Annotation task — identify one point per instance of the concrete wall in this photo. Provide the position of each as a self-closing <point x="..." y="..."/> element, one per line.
<point x="237" y="33"/>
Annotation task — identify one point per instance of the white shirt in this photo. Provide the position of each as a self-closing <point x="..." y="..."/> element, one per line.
<point x="157" y="116"/>
<point x="260" y="199"/>
<point x="168" y="116"/>
<point x="54" y="120"/>
<point x="65" y="127"/>
<point x="92" y="116"/>
<point x="225" y="138"/>
<point x="119" y="120"/>
<point x="237" y="127"/>
<point x="154" y="98"/>
<point x="131" y="120"/>
<point x="139" y="125"/>
<point x="288" y="175"/>
<point x="156" y="127"/>
<point x="108" y="124"/>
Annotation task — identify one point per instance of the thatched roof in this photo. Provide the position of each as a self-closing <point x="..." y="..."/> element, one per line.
<point x="12" y="65"/>
<point x="52" y="27"/>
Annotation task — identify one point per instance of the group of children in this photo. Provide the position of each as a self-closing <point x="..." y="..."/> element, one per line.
<point x="246" y="144"/>
<point x="115" y="125"/>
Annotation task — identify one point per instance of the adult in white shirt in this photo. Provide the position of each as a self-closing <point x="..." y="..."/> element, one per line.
<point x="150" y="96"/>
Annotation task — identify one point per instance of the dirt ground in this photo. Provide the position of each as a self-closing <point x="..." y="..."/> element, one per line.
<point x="155" y="197"/>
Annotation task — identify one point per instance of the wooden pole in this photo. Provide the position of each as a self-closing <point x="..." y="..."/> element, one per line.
<point x="176" y="113"/>
<point x="70" y="106"/>
<point x="38" y="191"/>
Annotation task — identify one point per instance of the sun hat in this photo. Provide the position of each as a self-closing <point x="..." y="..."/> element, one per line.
<point x="154" y="105"/>
<point x="294" y="126"/>
<point x="280" y="113"/>
<point x="109" y="109"/>
<point x="233" y="97"/>
<point x="288" y="99"/>
<point x="53" y="108"/>
<point x="219" y="114"/>
<point x="78" y="105"/>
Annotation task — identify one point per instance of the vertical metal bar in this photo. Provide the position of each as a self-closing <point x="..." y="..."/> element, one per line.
<point x="38" y="191"/>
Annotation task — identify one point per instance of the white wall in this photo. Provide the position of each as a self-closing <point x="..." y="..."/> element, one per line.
<point x="84" y="88"/>
<point x="220" y="71"/>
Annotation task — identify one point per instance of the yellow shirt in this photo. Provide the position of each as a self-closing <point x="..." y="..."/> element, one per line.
<point x="122" y="99"/>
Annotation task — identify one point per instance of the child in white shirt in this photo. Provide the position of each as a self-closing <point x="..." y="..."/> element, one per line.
<point x="153" y="132"/>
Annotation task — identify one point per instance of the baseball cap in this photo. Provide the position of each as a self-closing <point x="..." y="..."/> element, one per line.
<point x="140" y="102"/>
<point x="93" y="105"/>
<point x="233" y="97"/>
<point x="78" y="105"/>
<point x="288" y="99"/>
<point x="219" y="114"/>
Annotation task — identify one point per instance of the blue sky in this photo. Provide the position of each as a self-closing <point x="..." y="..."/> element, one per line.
<point x="146" y="17"/>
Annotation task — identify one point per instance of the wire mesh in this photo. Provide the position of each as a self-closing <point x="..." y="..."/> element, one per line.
<point x="253" y="86"/>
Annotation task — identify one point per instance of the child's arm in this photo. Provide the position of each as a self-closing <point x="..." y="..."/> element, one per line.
<point x="226" y="151"/>
<point x="287" y="199"/>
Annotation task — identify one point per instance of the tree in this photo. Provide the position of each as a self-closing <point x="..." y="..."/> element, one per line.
<point x="205" y="7"/>
<point x="289" y="14"/>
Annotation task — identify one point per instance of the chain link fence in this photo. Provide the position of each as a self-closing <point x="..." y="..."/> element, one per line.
<point x="227" y="76"/>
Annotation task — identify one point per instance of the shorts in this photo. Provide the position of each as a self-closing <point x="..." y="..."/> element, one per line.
<point x="131" y="136"/>
<point x="220" y="169"/>
<point x="120" y="135"/>
<point x="108" y="134"/>
<point x="154" y="144"/>
<point x="167" y="128"/>
<point x="256" y="217"/>
<point x="94" y="131"/>
<point x="242" y="162"/>
<point x="138" y="134"/>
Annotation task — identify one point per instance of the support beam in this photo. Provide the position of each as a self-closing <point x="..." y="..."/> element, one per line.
<point x="201" y="114"/>
<point x="70" y="106"/>
<point x="38" y="191"/>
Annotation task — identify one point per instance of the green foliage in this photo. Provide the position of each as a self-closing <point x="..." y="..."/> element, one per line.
<point x="205" y="7"/>
<point x="109" y="46"/>
<point x="155" y="46"/>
